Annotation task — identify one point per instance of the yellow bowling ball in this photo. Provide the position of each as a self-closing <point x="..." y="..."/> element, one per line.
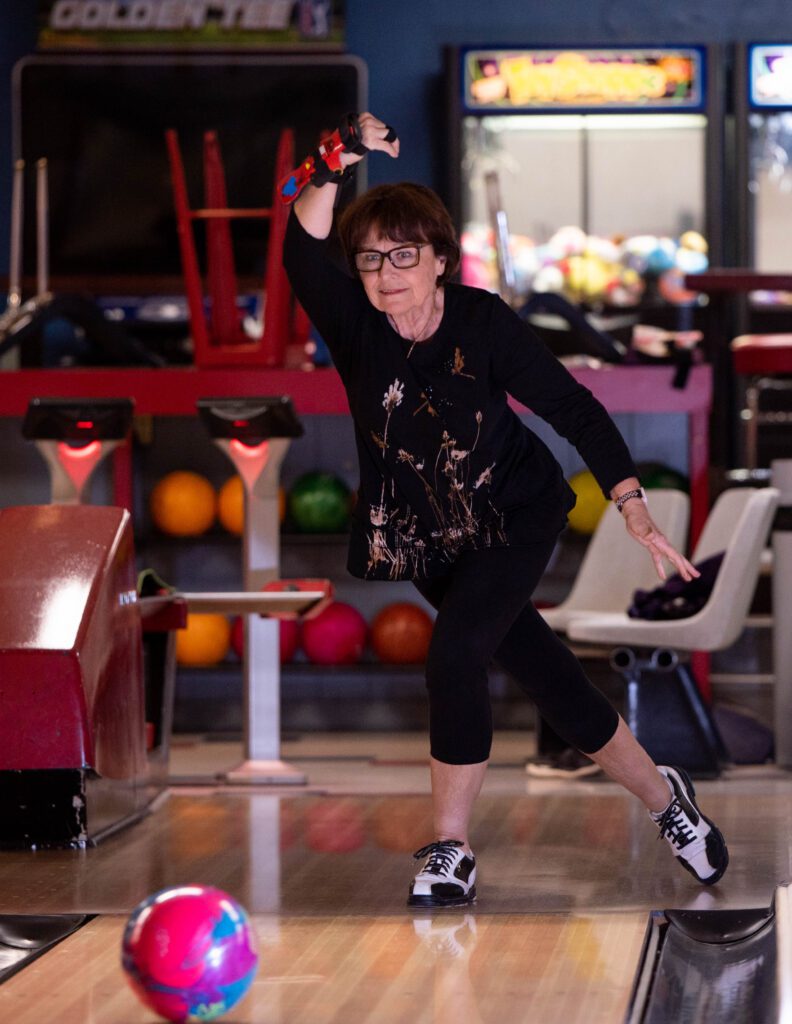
<point x="204" y="641"/>
<point x="183" y="504"/>
<point x="231" y="506"/>
<point x="591" y="502"/>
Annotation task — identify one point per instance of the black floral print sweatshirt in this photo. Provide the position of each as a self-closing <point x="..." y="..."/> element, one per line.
<point x="445" y="463"/>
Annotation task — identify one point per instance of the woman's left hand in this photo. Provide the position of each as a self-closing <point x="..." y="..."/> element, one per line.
<point x="641" y="527"/>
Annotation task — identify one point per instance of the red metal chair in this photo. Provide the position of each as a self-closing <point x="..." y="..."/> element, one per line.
<point x="219" y="339"/>
<point x="764" y="361"/>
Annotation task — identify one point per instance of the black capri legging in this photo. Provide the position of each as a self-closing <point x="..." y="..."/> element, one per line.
<point x="485" y="614"/>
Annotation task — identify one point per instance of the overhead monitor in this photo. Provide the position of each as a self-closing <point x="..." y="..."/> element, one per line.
<point x="250" y="420"/>
<point x="76" y="420"/>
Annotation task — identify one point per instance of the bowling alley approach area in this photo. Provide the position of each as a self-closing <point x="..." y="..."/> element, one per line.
<point x="571" y="875"/>
<point x="366" y="372"/>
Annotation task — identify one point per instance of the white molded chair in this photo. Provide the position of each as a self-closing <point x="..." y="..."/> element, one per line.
<point x="614" y="566"/>
<point x="738" y="524"/>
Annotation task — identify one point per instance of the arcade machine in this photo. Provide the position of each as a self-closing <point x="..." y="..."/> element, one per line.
<point x="763" y="134"/>
<point x="763" y="142"/>
<point x="606" y="163"/>
<point x="760" y="301"/>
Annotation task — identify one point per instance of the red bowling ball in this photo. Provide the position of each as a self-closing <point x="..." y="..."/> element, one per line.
<point x="401" y="633"/>
<point x="337" y="636"/>
<point x="289" y="638"/>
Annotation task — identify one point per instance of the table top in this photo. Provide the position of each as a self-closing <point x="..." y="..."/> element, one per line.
<point x="738" y="279"/>
<point x="174" y="391"/>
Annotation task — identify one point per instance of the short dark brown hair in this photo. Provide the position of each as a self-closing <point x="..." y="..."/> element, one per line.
<point x="404" y="212"/>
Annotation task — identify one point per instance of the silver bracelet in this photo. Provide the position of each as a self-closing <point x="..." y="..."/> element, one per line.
<point x="635" y="493"/>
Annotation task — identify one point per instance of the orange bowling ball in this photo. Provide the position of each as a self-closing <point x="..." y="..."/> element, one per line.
<point x="231" y="506"/>
<point x="204" y="641"/>
<point x="400" y="633"/>
<point x="183" y="504"/>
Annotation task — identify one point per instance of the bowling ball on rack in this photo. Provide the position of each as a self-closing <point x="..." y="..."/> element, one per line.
<point x="204" y="641"/>
<point x="400" y="633"/>
<point x="183" y="504"/>
<point x="189" y="952"/>
<point x="319" y="503"/>
<point x="336" y="636"/>
<point x="289" y="638"/>
<point x="655" y="474"/>
<point x="231" y="506"/>
<point x="591" y="502"/>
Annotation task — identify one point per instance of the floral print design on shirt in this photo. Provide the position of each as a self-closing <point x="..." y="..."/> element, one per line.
<point x="458" y="367"/>
<point x="394" y="541"/>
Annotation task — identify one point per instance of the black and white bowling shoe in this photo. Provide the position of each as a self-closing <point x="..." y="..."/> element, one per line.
<point x="697" y="843"/>
<point x="447" y="879"/>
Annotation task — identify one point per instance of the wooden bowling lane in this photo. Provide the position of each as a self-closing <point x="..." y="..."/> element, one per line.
<point x="541" y="849"/>
<point x="568" y="876"/>
<point x="428" y="969"/>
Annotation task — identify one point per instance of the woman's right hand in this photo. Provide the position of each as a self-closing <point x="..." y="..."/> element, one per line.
<point x="314" y="206"/>
<point x="373" y="134"/>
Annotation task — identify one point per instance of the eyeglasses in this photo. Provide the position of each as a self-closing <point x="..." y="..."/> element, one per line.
<point x="402" y="257"/>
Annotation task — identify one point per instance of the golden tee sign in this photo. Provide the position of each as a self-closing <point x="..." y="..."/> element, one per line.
<point x="101" y="23"/>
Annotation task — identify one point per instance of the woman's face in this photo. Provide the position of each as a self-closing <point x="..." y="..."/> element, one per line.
<point x="397" y="291"/>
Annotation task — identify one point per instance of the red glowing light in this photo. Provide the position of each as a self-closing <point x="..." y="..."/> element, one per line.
<point x="250" y="451"/>
<point x="85" y="424"/>
<point x="240" y="423"/>
<point x="83" y="452"/>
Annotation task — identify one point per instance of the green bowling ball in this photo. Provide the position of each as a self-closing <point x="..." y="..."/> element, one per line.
<point x="655" y="474"/>
<point x="319" y="503"/>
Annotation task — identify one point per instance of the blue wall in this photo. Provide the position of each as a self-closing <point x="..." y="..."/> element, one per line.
<point x="402" y="44"/>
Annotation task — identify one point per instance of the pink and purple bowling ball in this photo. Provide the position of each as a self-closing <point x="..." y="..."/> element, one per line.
<point x="336" y="636"/>
<point x="189" y="952"/>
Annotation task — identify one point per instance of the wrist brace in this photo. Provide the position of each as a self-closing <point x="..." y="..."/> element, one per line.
<point x="324" y="163"/>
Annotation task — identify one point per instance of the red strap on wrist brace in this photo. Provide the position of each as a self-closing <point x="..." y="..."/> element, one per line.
<point x="330" y="150"/>
<point x="324" y="163"/>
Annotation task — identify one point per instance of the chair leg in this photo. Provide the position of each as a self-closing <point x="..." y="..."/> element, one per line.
<point x="189" y="255"/>
<point x="666" y="714"/>
<point x="220" y="269"/>
<point x="702" y="712"/>
<point x="631" y="688"/>
<point x="750" y="416"/>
